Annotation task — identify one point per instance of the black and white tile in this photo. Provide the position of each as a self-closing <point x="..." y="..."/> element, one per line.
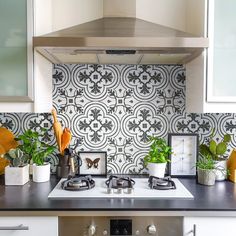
<point x="114" y="109"/>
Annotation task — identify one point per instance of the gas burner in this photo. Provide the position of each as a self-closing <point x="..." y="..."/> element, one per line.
<point x="78" y="183"/>
<point x="119" y="185"/>
<point x="161" y="183"/>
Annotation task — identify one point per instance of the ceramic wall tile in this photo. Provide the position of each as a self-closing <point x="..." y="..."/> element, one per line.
<point x="115" y="108"/>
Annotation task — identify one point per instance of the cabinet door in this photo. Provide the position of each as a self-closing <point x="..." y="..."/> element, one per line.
<point x="203" y="226"/>
<point x="29" y="226"/>
<point x="221" y="80"/>
<point x="15" y="50"/>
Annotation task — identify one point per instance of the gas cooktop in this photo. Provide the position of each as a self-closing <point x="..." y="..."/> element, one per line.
<point x="119" y="187"/>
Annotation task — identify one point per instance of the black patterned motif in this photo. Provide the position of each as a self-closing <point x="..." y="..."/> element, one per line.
<point x="114" y="109"/>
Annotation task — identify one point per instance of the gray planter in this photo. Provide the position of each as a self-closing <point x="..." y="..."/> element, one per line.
<point x="206" y="177"/>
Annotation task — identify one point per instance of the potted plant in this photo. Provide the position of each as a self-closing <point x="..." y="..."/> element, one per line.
<point x="31" y="143"/>
<point x="17" y="173"/>
<point x="206" y="170"/>
<point x="157" y="157"/>
<point x="216" y="151"/>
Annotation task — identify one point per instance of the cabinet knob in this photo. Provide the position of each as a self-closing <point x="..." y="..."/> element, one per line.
<point x="151" y="229"/>
<point x="91" y="230"/>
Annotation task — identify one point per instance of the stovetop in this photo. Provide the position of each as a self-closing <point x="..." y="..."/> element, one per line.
<point x="138" y="188"/>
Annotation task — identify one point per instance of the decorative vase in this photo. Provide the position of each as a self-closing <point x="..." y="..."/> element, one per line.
<point x="206" y="177"/>
<point x="41" y="173"/>
<point x="157" y="169"/>
<point x="16" y="175"/>
<point x="221" y="170"/>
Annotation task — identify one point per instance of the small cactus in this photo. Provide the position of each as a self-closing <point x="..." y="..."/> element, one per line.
<point x="16" y="157"/>
<point x="216" y="151"/>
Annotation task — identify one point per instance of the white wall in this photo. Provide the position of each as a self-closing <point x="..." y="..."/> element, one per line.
<point x="171" y="13"/>
<point x="195" y="16"/>
<point x="42" y="17"/>
<point x="67" y="13"/>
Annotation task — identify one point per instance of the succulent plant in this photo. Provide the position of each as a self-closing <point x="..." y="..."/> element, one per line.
<point x="215" y="150"/>
<point x="16" y="157"/>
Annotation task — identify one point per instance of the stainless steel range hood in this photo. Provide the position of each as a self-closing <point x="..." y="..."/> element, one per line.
<point x="120" y="40"/>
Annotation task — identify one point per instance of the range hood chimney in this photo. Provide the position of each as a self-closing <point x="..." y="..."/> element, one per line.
<point x="119" y="40"/>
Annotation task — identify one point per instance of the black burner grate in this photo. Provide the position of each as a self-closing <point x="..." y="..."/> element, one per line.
<point x="161" y="183"/>
<point x="78" y="183"/>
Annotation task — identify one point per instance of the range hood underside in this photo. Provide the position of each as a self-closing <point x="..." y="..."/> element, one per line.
<point x="84" y="56"/>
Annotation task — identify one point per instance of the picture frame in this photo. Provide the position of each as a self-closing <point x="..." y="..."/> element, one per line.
<point x="92" y="163"/>
<point x="184" y="154"/>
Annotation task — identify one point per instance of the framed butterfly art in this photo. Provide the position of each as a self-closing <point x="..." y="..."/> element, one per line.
<point x="92" y="163"/>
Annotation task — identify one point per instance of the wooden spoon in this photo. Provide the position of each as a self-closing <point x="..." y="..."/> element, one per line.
<point x="57" y="129"/>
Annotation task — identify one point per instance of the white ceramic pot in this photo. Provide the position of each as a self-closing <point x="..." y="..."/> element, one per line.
<point x="157" y="169"/>
<point x="41" y="173"/>
<point x="221" y="170"/>
<point x="16" y="175"/>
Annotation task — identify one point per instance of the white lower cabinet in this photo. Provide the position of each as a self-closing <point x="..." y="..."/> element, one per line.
<point x="29" y="226"/>
<point x="212" y="226"/>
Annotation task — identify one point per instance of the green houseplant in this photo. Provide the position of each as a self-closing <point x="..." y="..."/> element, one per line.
<point x="157" y="157"/>
<point x="217" y="152"/>
<point x="32" y="144"/>
<point x="17" y="173"/>
<point x="206" y="170"/>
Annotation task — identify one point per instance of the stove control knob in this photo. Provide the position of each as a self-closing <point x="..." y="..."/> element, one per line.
<point x="91" y="230"/>
<point x="105" y="232"/>
<point x="151" y="229"/>
<point x="137" y="232"/>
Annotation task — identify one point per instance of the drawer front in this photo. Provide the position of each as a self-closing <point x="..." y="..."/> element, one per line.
<point x="29" y="226"/>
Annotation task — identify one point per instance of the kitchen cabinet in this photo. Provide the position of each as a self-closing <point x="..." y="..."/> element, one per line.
<point x="24" y="87"/>
<point x="16" y="64"/>
<point x="202" y="226"/>
<point x="210" y="78"/>
<point x="28" y="226"/>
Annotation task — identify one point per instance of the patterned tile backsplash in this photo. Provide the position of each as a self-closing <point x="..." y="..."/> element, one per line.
<point x="114" y="108"/>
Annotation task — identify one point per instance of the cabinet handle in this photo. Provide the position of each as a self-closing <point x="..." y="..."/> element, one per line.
<point x="19" y="227"/>
<point x="194" y="230"/>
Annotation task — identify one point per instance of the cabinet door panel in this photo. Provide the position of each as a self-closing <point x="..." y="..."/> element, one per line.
<point x="14" y="37"/>
<point x="37" y="226"/>
<point x="222" y="51"/>
<point x="216" y="226"/>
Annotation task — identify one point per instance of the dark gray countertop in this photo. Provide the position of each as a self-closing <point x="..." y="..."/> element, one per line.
<point x="33" y="197"/>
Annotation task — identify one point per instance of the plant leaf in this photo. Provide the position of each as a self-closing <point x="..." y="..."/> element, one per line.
<point x="212" y="146"/>
<point x="227" y="138"/>
<point x="221" y="148"/>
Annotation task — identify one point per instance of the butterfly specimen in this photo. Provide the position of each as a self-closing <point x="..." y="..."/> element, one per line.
<point x="93" y="163"/>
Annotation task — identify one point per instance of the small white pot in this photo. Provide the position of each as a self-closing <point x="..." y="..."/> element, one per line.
<point x="157" y="169"/>
<point x="41" y="173"/>
<point x="16" y="175"/>
<point x="221" y="170"/>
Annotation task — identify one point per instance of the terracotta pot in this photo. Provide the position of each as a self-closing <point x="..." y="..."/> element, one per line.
<point x="16" y="175"/>
<point x="157" y="169"/>
<point x="206" y="177"/>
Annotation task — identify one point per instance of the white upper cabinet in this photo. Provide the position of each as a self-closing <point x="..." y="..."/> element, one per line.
<point x="211" y="81"/>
